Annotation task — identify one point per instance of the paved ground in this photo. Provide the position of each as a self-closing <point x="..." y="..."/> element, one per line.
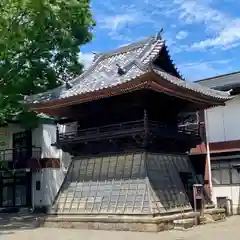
<point x="219" y="231"/>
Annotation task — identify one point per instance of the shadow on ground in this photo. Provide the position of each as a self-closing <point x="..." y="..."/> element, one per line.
<point x="12" y="222"/>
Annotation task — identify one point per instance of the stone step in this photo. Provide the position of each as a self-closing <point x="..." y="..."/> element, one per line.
<point x="214" y="214"/>
<point x="23" y="210"/>
<point x="23" y="221"/>
<point x="183" y="224"/>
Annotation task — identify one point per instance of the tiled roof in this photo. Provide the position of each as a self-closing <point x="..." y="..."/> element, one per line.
<point x="191" y="85"/>
<point x="222" y="81"/>
<point x="134" y="60"/>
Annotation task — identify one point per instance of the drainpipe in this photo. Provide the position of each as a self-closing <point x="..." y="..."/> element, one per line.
<point x="208" y="152"/>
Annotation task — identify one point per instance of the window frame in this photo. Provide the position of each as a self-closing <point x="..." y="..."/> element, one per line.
<point x="216" y="166"/>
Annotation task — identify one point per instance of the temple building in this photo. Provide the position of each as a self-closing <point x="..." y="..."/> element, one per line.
<point x="128" y="138"/>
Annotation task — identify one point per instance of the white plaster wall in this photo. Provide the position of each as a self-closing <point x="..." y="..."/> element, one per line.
<point x="222" y="123"/>
<point x="231" y="192"/>
<point x="37" y="135"/>
<point x="49" y="137"/>
<point x="48" y="151"/>
<point x="51" y="180"/>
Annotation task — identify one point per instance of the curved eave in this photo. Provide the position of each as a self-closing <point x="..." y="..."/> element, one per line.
<point x="196" y="90"/>
<point x="130" y="86"/>
<point x="146" y="81"/>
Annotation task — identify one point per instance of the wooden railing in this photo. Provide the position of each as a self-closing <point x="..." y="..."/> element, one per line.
<point x="18" y="157"/>
<point x="126" y="128"/>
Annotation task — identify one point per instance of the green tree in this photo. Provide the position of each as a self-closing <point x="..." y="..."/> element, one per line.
<point x="39" y="48"/>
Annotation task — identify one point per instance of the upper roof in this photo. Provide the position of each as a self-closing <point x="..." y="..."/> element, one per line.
<point x="121" y="66"/>
<point x="222" y="82"/>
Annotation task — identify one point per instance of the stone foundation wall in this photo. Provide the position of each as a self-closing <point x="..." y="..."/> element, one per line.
<point x="122" y="223"/>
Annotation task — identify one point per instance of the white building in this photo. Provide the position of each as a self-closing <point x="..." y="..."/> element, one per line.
<point x="32" y="169"/>
<point x="223" y="136"/>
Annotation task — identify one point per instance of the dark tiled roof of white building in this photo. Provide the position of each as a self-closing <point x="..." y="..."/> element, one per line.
<point x="225" y="81"/>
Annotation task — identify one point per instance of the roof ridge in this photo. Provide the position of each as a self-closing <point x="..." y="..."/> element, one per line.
<point x="218" y="76"/>
<point x="154" y="50"/>
<point x="128" y="47"/>
<point x="102" y="56"/>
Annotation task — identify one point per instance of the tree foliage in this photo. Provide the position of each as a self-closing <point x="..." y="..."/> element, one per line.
<point x="39" y="47"/>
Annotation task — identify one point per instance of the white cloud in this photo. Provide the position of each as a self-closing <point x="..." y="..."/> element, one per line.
<point x="203" y="69"/>
<point x="192" y="11"/>
<point x="125" y="21"/>
<point x="118" y="21"/>
<point x="229" y="37"/>
<point x="86" y="59"/>
<point x="124" y="45"/>
<point x="225" y="28"/>
<point x="181" y="35"/>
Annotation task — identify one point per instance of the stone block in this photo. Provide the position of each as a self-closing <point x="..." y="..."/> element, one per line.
<point x="214" y="215"/>
<point x="182" y="224"/>
<point x="139" y="223"/>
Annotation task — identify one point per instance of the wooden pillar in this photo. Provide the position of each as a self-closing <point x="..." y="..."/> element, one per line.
<point x="57" y="135"/>
<point x="146" y="129"/>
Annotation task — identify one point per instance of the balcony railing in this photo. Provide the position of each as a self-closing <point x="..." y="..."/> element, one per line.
<point x="126" y="128"/>
<point x="18" y="157"/>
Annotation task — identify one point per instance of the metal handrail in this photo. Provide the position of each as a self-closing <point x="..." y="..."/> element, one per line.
<point x="19" y="154"/>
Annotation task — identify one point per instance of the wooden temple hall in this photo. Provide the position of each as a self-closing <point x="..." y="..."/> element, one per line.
<point x="125" y="129"/>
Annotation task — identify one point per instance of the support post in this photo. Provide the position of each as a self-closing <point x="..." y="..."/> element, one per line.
<point x="208" y="157"/>
<point x="198" y="200"/>
<point x="57" y="135"/>
<point x="146" y="129"/>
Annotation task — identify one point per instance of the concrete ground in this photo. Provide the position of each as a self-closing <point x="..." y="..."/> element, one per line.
<point x="229" y="229"/>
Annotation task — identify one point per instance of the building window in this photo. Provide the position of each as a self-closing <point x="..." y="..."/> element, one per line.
<point x="235" y="176"/>
<point x="216" y="176"/>
<point x="224" y="173"/>
<point x="225" y="176"/>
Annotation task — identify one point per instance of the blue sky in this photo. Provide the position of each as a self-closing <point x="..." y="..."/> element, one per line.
<point x="203" y="36"/>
